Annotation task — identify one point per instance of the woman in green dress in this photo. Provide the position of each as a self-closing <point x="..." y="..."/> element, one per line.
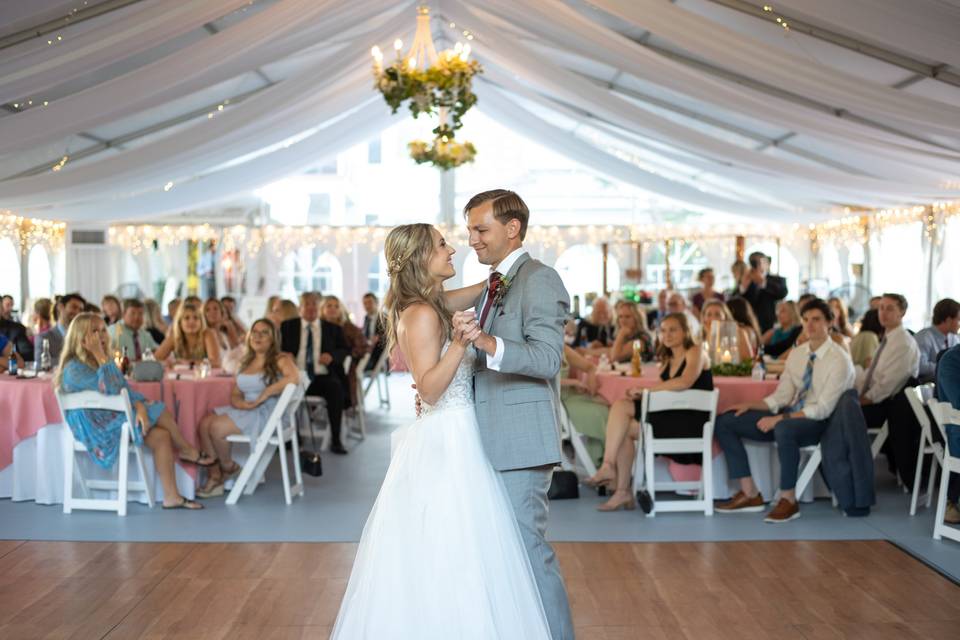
<point x="586" y="410"/>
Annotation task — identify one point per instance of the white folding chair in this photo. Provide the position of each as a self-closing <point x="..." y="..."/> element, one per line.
<point x="692" y="400"/>
<point x="281" y="428"/>
<point x="917" y="396"/>
<point x="809" y="468"/>
<point x="358" y="422"/>
<point x="944" y="414"/>
<point x="122" y="485"/>
<point x="378" y="376"/>
<point x="879" y="437"/>
<point x="569" y="430"/>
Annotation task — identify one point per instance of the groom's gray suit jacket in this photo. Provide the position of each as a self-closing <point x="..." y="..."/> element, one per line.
<point x="518" y="406"/>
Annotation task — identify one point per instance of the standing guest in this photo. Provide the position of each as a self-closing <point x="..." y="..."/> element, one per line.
<point x="172" y="307"/>
<point x="781" y="337"/>
<point x="68" y="307"/>
<point x="190" y="341"/>
<point x="743" y="315"/>
<point x="373" y="328"/>
<point x="112" y="310"/>
<point x="216" y="319"/>
<point x="682" y="366"/>
<point x="707" y="280"/>
<point x="598" y="330"/>
<point x="948" y="390"/>
<point x="841" y="319"/>
<point x="153" y="320"/>
<point x="677" y="303"/>
<point x="264" y="373"/>
<point x="230" y="308"/>
<point x="940" y="336"/>
<point x="42" y="318"/>
<point x="86" y="365"/>
<point x="6" y="308"/>
<point x="335" y="313"/>
<point x="865" y="344"/>
<point x="717" y="311"/>
<point x="320" y="349"/>
<point x="129" y="333"/>
<point x="207" y="270"/>
<point x="795" y="415"/>
<point x="762" y="289"/>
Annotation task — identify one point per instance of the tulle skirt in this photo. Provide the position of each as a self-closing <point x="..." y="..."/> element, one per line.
<point x="441" y="555"/>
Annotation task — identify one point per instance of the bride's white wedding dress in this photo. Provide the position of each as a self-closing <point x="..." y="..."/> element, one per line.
<point x="441" y="554"/>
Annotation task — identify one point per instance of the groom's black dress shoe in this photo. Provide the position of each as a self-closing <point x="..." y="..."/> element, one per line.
<point x="338" y="449"/>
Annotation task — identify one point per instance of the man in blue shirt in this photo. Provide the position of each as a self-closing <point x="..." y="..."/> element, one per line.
<point x="69" y="307"/>
<point x="939" y="337"/>
<point x="948" y="390"/>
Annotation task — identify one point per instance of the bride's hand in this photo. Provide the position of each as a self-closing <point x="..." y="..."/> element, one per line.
<point x="465" y="334"/>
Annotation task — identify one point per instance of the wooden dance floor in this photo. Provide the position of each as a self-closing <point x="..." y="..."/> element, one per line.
<point x="738" y="590"/>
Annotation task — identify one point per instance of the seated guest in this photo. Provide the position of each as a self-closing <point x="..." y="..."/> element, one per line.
<point x="18" y="336"/>
<point x="865" y="344"/>
<point x="656" y="314"/>
<point x="6" y="348"/>
<point x="172" y="307"/>
<point x="271" y="304"/>
<point x="373" y="328"/>
<point x="190" y="341"/>
<point x="67" y="308"/>
<point x="795" y="415"/>
<point x="707" y="280"/>
<point x="335" y="313"/>
<point x="676" y="303"/>
<point x="587" y="411"/>
<point x="841" y="319"/>
<point x="283" y="310"/>
<point x="717" y="311"/>
<point x="631" y="326"/>
<point x="6" y="308"/>
<point x="743" y="315"/>
<point x="682" y="366"/>
<point x="129" y="334"/>
<point x="85" y="365"/>
<point x="319" y="349"/>
<point x="230" y="310"/>
<point x="762" y="289"/>
<point x="597" y="331"/>
<point x="948" y="390"/>
<point x="153" y="320"/>
<point x="112" y="311"/>
<point x="897" y="360"/>
<point x="264" y="373"/>
<point x="216" y="319"/>
<point x="42" y="318"/>
<point x="782" y="336"/>
<point x="940" y="336"/>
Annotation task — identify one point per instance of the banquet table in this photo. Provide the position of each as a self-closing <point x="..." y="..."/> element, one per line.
<point x="31" y="460"/>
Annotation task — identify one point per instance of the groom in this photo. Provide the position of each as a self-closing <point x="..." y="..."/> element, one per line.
<point x="521" y="313"/>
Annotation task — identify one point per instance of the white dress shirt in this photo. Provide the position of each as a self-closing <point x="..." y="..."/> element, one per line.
<point x="494" y="361"/>
<point x="833" y="373"/>
<point x="930" y="342"/>
<point x="898" y="361"/>
<point x="318" y="369"/>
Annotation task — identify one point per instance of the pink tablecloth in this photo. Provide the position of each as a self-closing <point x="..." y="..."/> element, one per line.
<point x="26" y="406"/>
<point x="733" y="390"/>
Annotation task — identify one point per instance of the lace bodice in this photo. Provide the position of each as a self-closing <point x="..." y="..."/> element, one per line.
<point x="460" y="391"/>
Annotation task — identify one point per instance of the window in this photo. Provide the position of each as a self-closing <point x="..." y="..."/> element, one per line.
<point x="310" y="269"/>
<point x="581" y="269"/>
<point x="472" y="271"/>
<point x="377" y="280"/>
<point x="10" y="259"/>
<point x="686" y="260"/>
<point x="40" y="276"/>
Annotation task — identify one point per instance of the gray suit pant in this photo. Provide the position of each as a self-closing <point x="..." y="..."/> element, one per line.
<point x="527" y="489"/>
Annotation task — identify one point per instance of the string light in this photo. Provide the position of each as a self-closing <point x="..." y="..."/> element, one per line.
<point x="60" y="165"/>
<point x="29" y="232"/>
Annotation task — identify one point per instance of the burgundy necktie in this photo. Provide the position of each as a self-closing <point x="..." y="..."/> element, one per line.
<point x="491" y="294"/>
<point x="136" y="346"/>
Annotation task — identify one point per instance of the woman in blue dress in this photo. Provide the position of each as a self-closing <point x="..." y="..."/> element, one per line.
<point x="85" y="366"/>
<point x="264" y="373"/>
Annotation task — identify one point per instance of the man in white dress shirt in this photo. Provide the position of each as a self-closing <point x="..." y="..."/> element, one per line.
<point x="795" y="415"/>
<point x="939" y="337"/>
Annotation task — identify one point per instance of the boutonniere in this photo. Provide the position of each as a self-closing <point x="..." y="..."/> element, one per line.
<point x="503" y="285"/>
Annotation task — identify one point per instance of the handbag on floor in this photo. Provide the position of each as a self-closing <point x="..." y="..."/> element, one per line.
<point x="564" y="486"/>
<point x="310" y="462"/>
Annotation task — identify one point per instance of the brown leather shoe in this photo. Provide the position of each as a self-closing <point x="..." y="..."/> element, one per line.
<point x="785" y="511"/>
<point x="741" y="503"/>
<point x="952" y="515"/>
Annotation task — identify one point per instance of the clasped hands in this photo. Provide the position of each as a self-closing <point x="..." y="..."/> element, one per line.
<point x="466" y="329"/>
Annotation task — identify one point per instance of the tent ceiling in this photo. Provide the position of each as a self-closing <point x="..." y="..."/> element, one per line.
<point x="708" y="102"/>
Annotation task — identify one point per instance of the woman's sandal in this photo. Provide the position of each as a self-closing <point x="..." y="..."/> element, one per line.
<point x="202" y="459"/>
<point x="215" y="491"/>
<point x="186" y="503"/>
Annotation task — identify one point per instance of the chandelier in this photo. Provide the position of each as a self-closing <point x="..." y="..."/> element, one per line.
<point x="432" y="84"/>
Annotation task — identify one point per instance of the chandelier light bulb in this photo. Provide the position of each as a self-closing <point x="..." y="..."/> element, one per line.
<point x="412" y="63"/>
<point x="459" y="47"/>
<point x="376" y="53"/>
<point x="398" y="44"/>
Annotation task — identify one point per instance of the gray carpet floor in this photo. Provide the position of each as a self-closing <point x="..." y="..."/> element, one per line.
<point x="335" y="507"/>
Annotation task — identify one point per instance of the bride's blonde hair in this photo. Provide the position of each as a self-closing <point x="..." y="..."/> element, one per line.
<point x="408" y="249"/>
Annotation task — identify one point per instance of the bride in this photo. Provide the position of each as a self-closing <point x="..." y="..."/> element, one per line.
<point x="441" y="554"/>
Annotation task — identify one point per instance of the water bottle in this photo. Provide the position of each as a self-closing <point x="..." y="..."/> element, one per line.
<point x="604" y="364"/>
<point x="46" y="362"/>
<point x="12" y="362"/>
<point x="148" y="356"/>
<point x="759" y="371"/>
<point x="205" y="368"/>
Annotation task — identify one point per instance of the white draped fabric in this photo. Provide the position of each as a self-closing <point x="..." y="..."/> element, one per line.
<point x="799" y="140"/>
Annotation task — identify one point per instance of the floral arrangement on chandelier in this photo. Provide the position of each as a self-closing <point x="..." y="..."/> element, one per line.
<point x="433" y="84"/>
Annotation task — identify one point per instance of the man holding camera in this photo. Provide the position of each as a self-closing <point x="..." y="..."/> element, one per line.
<point x="762" y="290"/>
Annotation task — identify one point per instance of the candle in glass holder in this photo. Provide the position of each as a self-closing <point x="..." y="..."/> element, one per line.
<point x="727" y="358"/>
